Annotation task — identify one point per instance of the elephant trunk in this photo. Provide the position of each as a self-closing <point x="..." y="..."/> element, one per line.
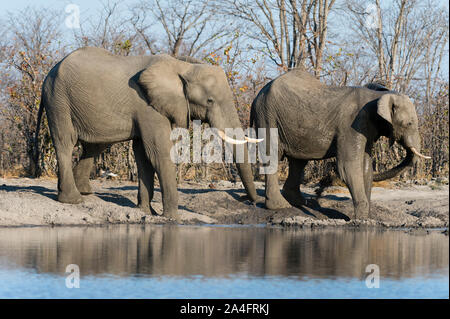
<point x="408" y="162"/>
<point x="244" y="168"/>
<point x="245" y="172"/>
<point x="412" y="156"/>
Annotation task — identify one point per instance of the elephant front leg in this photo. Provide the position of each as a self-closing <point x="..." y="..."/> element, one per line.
<point x="146" y="177"/>
<point x="165" y="169"/>
<point x="291" y="188"/>
<point x="352" y="174"/>
<point x="156" y="143"/>
<point x="368" y="175"/>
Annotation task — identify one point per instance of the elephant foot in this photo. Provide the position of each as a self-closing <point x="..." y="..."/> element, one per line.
<point x="294" y="197"/>
<point x="85" y="189"/>
<point x="144" y="207"/>
<point x="70" y="198"/>
<point x="362" y="211"/>
<point x="277" y="203"/>
<point x="361" y="216"/>
<point x="246" y="198"/>
<point x="173" y="215"/>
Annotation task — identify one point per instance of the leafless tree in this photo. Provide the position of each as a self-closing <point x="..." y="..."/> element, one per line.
<point x="402" y="35"/>
<point x="189" y="27"/>
<point x="291" y="33"/>
<point x="32" y="46"/>
<point x="108" y="28"/>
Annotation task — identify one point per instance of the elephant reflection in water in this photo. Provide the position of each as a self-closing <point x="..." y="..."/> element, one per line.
<point x="185" y="251"/>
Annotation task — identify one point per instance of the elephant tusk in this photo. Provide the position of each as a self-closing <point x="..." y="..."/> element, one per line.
<point x="418" y="154"/>
<point x="253" y="140"/>
<point x="230" y="140"/>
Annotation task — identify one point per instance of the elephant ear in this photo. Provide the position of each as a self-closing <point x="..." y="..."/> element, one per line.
<point x="164" y="86"/>
<point x="385" y="107"/>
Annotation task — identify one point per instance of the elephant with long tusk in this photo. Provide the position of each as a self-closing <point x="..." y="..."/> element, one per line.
<point x="316" y="121"/>
<point x="98" y="99"/>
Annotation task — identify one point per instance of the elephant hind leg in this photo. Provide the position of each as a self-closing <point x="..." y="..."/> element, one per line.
<point x="146" y="176"/>
<point x="291" y="188"/>
<point x="64" y="139"/>
<point x="274" y="199"/>
<point x="83" y="169"/>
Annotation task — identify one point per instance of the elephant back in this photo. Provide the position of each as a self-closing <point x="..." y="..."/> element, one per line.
<point x="375" y="87"/>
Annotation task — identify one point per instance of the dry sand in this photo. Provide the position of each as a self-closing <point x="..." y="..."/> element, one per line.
<point x="32" y="202"/>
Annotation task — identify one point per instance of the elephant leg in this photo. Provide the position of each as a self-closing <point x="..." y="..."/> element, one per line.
<point x="82" y="170"/>
<point x="64" y="140"/>
<point x="156" y="143"/>
<point x="351" y="171"/>
<point x="291" y="188"/>
<point x="274" y="199"/>
<point x="368" y="176"/>
<point x="165" y="169"/>
<point x="146" y="176"/>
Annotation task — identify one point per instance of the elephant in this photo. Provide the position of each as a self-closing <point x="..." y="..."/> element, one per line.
<point x="96" y="98"/>
<point x="316" y="121"/>
<point x="376" y="87"/>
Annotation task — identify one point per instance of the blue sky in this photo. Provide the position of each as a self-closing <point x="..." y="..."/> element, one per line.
<point x="92" y="8"/>
<point x="7" y="5"/>
<point x="88" y="9"/>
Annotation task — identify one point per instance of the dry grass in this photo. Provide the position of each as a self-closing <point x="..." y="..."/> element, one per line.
<point x="17" y="171"/>
<point x="337" y="191"/>
<point x="383" y="184"/>
<point x="20" y="171"/>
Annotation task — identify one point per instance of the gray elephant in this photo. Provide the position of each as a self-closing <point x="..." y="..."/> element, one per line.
<point x="316" y="121"/>
<point x="98" y="99"/>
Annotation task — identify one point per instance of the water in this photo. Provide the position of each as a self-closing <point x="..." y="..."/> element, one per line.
<point x="220" y="262"/>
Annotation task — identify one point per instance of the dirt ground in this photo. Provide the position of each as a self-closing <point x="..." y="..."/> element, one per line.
<point x="32" y="202"/>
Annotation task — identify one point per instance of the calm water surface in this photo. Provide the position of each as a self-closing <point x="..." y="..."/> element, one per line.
<point x="220" y="262"/>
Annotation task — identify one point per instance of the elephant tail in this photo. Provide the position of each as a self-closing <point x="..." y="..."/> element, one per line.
<point x="35" y="165"/>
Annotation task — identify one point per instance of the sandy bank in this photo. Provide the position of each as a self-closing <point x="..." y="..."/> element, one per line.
<point x="32" y="202"/>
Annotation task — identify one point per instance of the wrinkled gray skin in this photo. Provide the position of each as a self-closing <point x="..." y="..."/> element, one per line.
<point x="98" y="99"/>
<point x="316" y="121"/>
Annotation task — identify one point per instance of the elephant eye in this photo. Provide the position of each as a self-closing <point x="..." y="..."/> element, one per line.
<point x="210" y="101"/>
